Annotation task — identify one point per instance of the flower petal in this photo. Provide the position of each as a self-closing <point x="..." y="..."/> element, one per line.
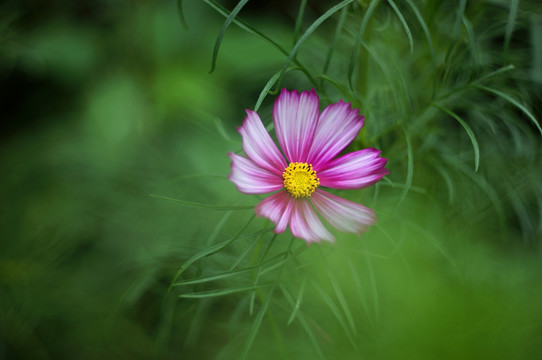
<point x="276" y="208"/>
<point x="295" y="117"/>
<point x="338" y="126"/>
<point x="258" y="145"/>
<point x="343" y="214"/>
<point x="305" y="224"/>
<point x="354" y="170"/>
<point x="249" y="178"/>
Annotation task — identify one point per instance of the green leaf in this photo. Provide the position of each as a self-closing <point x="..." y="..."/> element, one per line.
<point x="514" y="102"/>
<point x="331" y="49"/>
<point x="222" y="292"/>
<point x="231" y="273"/>
<point x="225" y="26"/>
<point x="216" y="248"/>
<point x="298" y="301"/>
<point x="299" y="19"/>
<point x="181" y="14"/>
<point x="469" y="131"/>
<point x="359" y="38"/>
<point x="512" y="14"/>
<point x="404" y="23"/>
<point x="335" y="310"/>
<point x="304" y="322"/>
<point x="307" y="33"/>
<point x="256" y="324"/>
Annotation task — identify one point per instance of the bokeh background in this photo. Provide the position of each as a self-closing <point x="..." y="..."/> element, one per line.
<point x="108" y="108"/>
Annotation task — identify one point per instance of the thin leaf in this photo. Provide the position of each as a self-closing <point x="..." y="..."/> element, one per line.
<point x="357" y="44"/>
<point x="496" y="72"/>
<point x="298" y="301"/>
<point x="304" y="322"/>
<point x="299" y="19"/>
<point x="514" y="102"/>
<point x="429" y="42"/>
<point x="308" y="32"/>
<point x="459" y="18"/>
<point x="200" y="205"/>
<point x="342" y="301"/>
<point x="469" y="132"/>
<point x="225" y="26"/>
<point x="231" y="273"/>
<point x="245" y="26"/>
<point x="512" y="14"/>
<point x="256" y="324"/>
<point x="222" y="292"/>
<point x="342" y="88"/>
<point x="181" y="14"/>
<point x="338" y="29"/>
<point x="410" y="169"/>
<point x="404" y="23"/>
<point x="216" y="248"/>
<point x="335" y="310"/>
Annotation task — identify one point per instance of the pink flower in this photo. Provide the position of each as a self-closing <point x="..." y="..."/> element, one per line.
<point x="310" y="142"/>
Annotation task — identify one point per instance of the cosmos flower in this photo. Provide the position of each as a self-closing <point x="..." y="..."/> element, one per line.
<point x="310" y="142"/>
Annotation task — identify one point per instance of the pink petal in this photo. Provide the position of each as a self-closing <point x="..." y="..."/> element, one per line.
<point x="354" y="170"/>
<point x="338" y="126"/>
<point x="276" y="208"/>
<point x="343" y="214"/>
<point x="258" y="146"/>
<point x="249" y="178"/>
<point x="295" y="117"/>
<point x="305" y="224"/>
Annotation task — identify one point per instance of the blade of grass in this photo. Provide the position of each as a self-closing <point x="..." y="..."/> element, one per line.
<point x="304" y="322"/>
<point x="331" y="49"/>
<point x="410" y="170"/>
<point x="200" y="205"/>
<point x="218" y="247"/>
<point x="222" y="292"/>
<point x="335" y="310"/>
<point x="299" y="20"/>
<point x="357" y="44"/>
<point x="459" y="18"/>
<point x="512" y="14"/>
<point x="429" y="42"/>
<point x="231" y="273"/>
<point x="256" y="325"/>
<point x="342" y="301"/>
<point x="307" y="33"/>
<point x="181" y="14"/>
<point x="298" y="300"/>
<point x="225" y="26"/>
<point x="469" y="132"/>
<point x="245" y="26"/>
<point x="404" y="23"/>
<point x="514" y="102"/>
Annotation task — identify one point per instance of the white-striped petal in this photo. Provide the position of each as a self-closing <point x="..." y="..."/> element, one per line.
<point x="305" y="224"/>
<point x="354" y="170"/>
<point x="295" y="117"/>
<point x="277" y="208"/>
<point x="258" y="145"/>
<point x="343" y="214"/>
<point x="249" y="178"/>
<point x="338" y="126"/>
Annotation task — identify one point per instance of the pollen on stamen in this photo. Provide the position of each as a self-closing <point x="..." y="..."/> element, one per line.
<point x="300" y="179"/>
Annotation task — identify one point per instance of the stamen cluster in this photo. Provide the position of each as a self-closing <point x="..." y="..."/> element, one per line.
<point x="300" y="179"/>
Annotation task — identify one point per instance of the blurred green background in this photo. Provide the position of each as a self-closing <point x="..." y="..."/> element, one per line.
<point x="104" y="103"/>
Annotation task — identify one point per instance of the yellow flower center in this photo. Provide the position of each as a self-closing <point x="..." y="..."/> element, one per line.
<point x="300" y="179"/>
